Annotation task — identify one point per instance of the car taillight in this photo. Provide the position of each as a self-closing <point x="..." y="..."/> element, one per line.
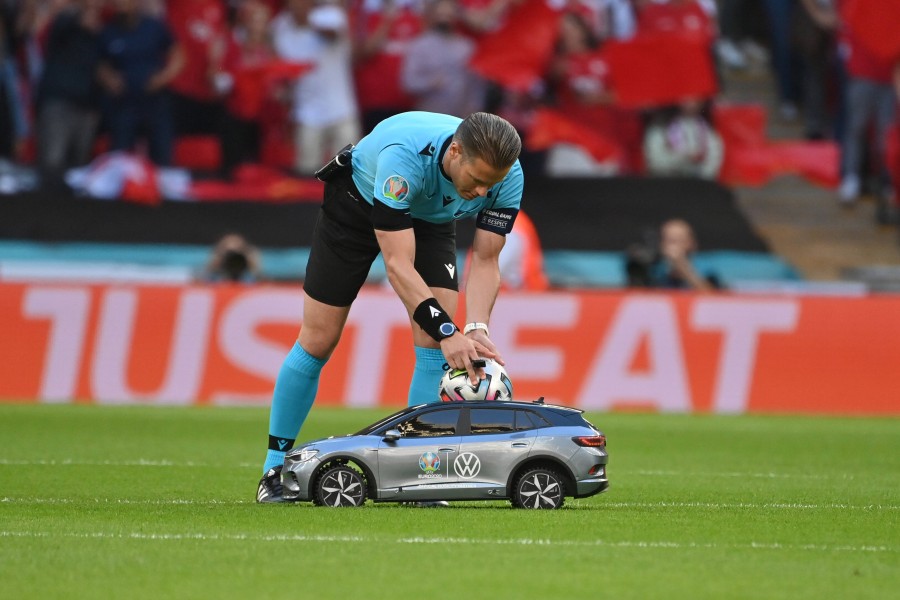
<point x="591" y="441"/>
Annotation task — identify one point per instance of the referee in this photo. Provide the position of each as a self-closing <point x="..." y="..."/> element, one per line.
<point x="400" y="192"/>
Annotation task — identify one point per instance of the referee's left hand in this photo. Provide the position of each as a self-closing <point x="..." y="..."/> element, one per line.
<point x="480" y="337"/>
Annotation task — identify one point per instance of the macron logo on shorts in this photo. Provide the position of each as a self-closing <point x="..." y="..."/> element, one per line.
<point x="450" y="269"/>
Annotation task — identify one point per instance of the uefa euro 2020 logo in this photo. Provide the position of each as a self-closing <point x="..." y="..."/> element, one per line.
<point x="429" y="462"/>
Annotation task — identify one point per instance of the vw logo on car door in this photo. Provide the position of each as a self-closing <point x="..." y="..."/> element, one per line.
<point x="467" y="465"/>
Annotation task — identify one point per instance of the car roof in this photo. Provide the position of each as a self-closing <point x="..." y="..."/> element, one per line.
<point x="535" y="405"/>
<point x="554" y="413"/>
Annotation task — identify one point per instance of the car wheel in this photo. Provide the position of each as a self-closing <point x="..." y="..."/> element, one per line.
<point x="340" y="486"/>
<point x="539" y="488"/>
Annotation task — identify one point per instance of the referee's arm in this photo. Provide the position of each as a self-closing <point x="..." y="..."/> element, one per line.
<point x="398" y="248"/>
<point x="483" y="283"/>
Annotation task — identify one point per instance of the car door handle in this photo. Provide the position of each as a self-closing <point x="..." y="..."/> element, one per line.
<point x="446" y="449"/>
<point x="520" y="444"/>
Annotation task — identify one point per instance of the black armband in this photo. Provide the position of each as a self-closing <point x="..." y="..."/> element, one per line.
<point x="386" y="218"/>
<point x="497" y="220"/>
<point x="434" y="320"/>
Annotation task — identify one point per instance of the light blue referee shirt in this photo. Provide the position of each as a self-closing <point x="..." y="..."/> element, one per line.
<point x="399" y="164"/>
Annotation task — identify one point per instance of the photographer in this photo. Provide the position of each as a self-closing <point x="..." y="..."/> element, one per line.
<point x="669" y="263"/>
<point x="233" y="259"/>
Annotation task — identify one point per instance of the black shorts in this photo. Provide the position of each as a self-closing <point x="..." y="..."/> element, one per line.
<point x="344" y="247"/>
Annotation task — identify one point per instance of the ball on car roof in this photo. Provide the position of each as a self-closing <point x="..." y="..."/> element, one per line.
<point x="455" y="385"/>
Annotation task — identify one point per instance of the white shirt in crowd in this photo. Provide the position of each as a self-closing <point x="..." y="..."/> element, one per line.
<point x="326" y="94"/>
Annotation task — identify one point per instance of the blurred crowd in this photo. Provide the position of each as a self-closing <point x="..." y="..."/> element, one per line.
<point x="289" y="82"/>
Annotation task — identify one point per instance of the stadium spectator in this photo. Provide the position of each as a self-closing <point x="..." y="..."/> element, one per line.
<point x="383" y="30"/>
<point x="139" y="58"/>
<point x="682" y="141"/>
<point x="250" y="54"/>
<point x="400" y="194"/>
<point x="815" y="36"/>
<point x="480" y="17"/>
<point x="870" y="101"/>
<point x="435" y="68"/>
<point x="780" y="14"/>
<point x="325" y="111"/>
<point x="67" y="95"/>
<point x="731" y="34"/>
<point x="668" y="261"/>
<point x="581" y="88"/>
<point x="199" y="89"/>
<point x="233" y="259"/>
<point x="619" y="21"/>
<point x="27" y="30"/>
<point x="13" y="123"/>
<point x="690" y="17"/>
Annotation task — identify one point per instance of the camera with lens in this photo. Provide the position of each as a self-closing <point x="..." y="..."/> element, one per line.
<point x="641" y="259"/>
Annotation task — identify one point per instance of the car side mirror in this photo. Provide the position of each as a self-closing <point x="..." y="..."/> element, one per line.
<point x="392" y="435"/>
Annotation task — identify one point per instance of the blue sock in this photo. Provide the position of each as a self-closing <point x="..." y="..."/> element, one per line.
<point x="426" y="377"/>
<point x="295" y="390"/>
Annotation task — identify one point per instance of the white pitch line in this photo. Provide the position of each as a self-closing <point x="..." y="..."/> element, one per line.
<point x="752" y="505"/>
<point x="738" y="474"/>
<point x="541" y="542"/>
<point x="138" y="462"/>
<point x="599" y="505"/>
<point x="143" y="501"/>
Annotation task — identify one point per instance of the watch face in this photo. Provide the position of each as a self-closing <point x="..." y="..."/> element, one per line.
<point x="447" y="329"/>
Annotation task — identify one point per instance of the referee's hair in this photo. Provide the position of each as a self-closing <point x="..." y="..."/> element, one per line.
<point x="491" y="138"/>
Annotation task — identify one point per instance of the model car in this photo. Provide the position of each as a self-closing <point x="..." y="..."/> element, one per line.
<point x="531" y="453"/>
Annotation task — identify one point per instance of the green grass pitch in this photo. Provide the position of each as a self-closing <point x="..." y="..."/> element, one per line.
<point x="151" y="502"/>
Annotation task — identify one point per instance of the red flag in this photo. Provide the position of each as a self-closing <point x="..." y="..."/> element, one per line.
<point x="553" y="127"/>
<point x="819" y="162"/>
<point x="743" y="124"/>
<point x="516" y="56"/>
<point x="751" y="159"/>
<point x="660" y="68"/>
<point x="875" y="24"/>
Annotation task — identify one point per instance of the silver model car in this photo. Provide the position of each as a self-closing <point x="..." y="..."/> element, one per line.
<point x="531" y="453"/>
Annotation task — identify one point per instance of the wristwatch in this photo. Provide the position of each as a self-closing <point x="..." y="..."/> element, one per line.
<point x="447" y="329"/>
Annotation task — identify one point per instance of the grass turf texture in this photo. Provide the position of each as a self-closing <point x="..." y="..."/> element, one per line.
<point x="115" y="502"/>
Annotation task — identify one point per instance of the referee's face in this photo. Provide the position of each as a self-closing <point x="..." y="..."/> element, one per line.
<point x="472" y="177"/>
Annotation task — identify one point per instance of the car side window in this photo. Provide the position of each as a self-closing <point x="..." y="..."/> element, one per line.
<point x="523" y="422"/>
<point x="527" y="416"/>
<point x="435" y="423"/>
<point x="492" y="420"/>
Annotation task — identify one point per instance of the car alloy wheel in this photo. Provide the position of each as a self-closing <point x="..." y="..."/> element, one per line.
<point x="341" y="486"/>
<point x="539" y="488"/>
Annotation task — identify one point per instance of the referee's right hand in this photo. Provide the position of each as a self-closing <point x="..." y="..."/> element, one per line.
<point x="460" y="351"/>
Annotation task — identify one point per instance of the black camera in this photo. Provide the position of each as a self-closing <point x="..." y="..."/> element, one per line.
<point x="235" y="265"/>
<point x="640" y="259"/>
<point x="340" y="162"/>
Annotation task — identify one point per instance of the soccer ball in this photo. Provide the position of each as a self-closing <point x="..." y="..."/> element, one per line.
<point x="496" y="385"/>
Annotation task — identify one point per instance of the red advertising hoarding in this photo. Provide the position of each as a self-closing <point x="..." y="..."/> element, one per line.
<point x="675" y="352"/>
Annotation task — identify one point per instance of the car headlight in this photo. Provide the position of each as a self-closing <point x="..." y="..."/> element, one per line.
<point x="301" y="454"/>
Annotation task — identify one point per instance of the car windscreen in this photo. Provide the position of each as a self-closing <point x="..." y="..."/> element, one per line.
<point x="369" y="429"/>
<point x="433" y="423"/>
